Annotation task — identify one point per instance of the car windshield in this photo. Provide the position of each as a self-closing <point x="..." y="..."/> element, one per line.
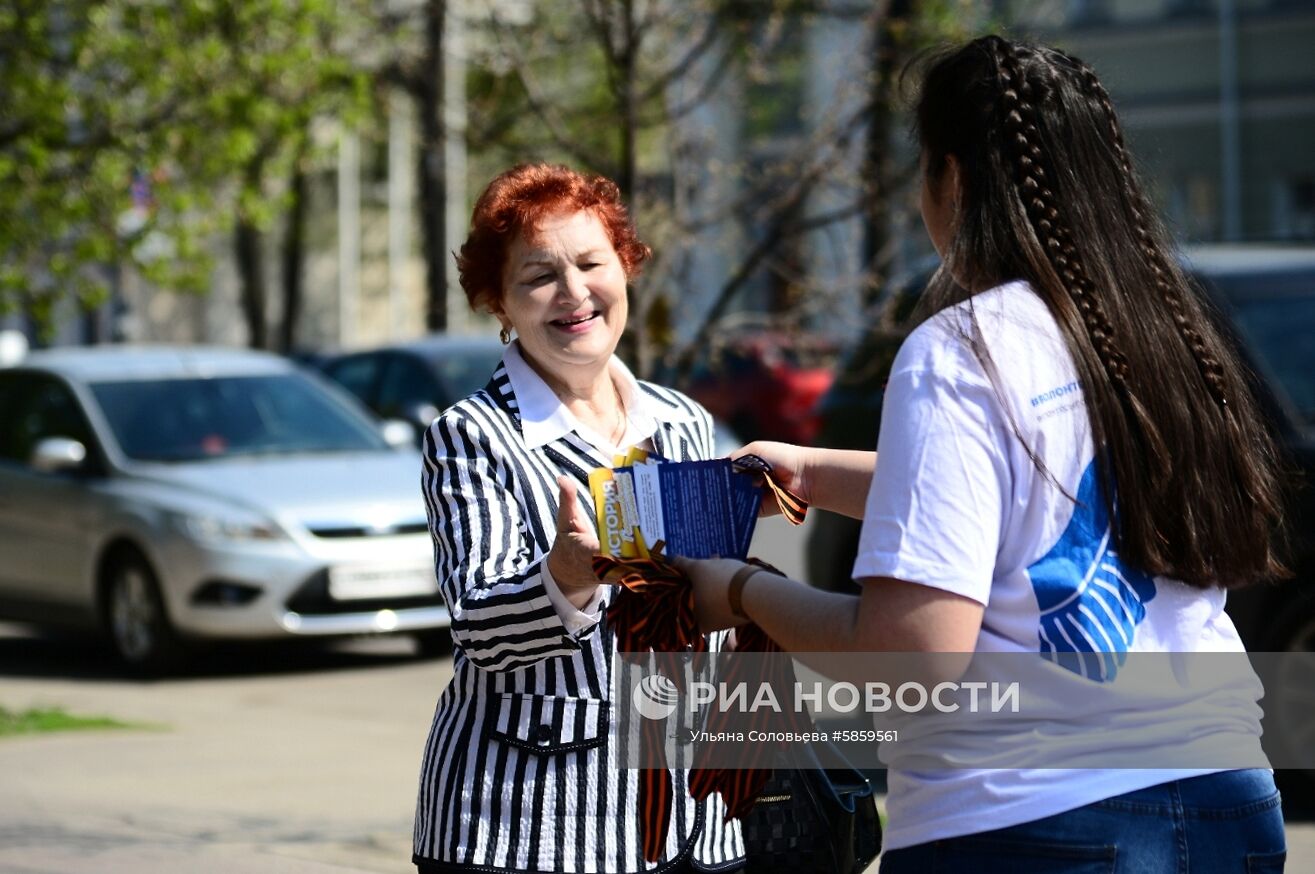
<point x="1275" y="316"/>
<point x="195" y="419"/>
<point x="465" y="372"/>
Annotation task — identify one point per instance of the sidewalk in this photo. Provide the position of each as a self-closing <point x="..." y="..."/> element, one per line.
<point x="307" y="768"/>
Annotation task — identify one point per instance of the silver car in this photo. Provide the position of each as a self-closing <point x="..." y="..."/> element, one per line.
<point x="172" y="493"/>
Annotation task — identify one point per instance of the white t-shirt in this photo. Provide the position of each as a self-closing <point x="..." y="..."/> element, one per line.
<point x="958" y="504"/>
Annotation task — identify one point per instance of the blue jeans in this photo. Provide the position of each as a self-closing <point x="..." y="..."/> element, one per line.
<point x="1225" y="822"/>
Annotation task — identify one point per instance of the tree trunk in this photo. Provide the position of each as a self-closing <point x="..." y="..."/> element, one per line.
<point x="294" y="248"/>
<point x="634" y="347"/>
<point x="886" y="59"/>
<point x="433" y="168"/>
<point x="251" y="276"/>
<point x="629" y="111"/>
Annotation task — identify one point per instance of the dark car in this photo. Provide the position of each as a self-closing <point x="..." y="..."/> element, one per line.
<point x="848" y="417"/>
<point x="415" y="381"/>
<point x="1266" y="297"/>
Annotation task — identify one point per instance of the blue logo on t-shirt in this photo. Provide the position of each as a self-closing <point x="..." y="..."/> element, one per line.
<point x="1091" y="602"/>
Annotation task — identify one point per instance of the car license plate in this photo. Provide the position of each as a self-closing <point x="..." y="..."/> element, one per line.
<point x="373" y="581"/>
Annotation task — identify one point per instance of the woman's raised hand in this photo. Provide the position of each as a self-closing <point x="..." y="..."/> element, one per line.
<point x="829" y="479"/>
<point x="789" y="469"/>
<point x="571" y="558"/>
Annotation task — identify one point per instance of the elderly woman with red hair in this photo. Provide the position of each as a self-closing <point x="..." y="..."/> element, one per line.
<point x="520" y="770"/>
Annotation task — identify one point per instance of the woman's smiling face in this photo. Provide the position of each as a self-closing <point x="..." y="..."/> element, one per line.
<point x="564" y="294"/>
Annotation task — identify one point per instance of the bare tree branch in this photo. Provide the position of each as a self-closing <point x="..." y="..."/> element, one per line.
<point x="538" y="105"/>
<point x="641" y="26"/>
<point x="828" y="145"/>
<point x="681" y="67"/>
<point x="599" y="15"/>
<point x="709" y="85"/>
<point x="779" y="229"/>
<point x="496" y="126"/>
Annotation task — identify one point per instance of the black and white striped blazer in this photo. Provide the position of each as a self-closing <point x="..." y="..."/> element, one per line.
<point x="520" y="767"/>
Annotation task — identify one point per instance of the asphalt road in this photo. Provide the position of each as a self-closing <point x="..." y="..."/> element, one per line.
<point x="266" y="760"/>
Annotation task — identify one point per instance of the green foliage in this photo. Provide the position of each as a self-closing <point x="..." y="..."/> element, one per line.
<point x="774" y="90"/>
<point x="936" y="22"/>
<point x="47" y="719"/>
<point x="540" y="92"/>
<point x="132" y="130"/>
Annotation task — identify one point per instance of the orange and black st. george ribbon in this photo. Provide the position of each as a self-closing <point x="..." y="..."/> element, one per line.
<point x="654" y="612"/>
<point x="792" y="507"/>
<point x="740" y="786"/>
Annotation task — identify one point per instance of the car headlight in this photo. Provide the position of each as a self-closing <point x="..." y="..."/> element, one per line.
<point x="227" y="529"/>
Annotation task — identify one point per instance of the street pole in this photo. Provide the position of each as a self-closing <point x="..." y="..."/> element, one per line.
<point x="349" y="235"/>
<point x="399" y="209"/>
<point x="454" y="152"/>
<point x="1230" y="122"/>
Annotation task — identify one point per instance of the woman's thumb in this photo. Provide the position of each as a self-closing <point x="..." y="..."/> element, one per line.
<point x="566" y="505"/>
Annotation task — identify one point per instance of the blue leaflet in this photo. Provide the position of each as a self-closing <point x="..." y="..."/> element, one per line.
<point x="698" y="509"/>
<point x="746" y="498"/>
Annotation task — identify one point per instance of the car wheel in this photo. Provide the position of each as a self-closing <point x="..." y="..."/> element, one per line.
<point x="433" y="643"/>
<point x="136" y="619"/>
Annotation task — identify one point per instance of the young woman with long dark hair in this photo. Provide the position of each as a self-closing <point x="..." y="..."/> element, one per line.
<point x="1072" y="466"/>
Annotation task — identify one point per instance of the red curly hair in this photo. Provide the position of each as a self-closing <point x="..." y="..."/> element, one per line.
<point x="517" y="200"/>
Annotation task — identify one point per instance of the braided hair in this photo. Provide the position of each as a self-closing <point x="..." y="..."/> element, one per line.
<point x="1168" y="281"/>
<point x="1049" y="194"/>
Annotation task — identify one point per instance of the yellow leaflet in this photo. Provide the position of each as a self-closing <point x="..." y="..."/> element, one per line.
<point x="640" y="546"/>
<point x="633" y="456"/>
<point x="614" y="536"/>
<point x="625" y="489"/>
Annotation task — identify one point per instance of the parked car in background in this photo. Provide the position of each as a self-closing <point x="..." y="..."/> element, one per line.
<point x="766" y="385"/>
<point x="414" y="382"/>
<point x="171" y="494"/>
<point x="1265" y="296"/>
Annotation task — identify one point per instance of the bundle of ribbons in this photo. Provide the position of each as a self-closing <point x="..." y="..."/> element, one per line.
<point x="654" y="614"/>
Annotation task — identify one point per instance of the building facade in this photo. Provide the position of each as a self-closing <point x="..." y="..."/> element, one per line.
<point x="1218" y="100"/>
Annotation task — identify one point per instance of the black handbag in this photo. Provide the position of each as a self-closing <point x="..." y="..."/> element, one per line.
<point x="810" y="819"/>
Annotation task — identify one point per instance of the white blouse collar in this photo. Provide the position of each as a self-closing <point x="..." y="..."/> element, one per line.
<point x="544" y="418"/>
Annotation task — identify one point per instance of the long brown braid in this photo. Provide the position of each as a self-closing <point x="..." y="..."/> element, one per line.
<point x="1211" y="368"/>
<point x="1018" y="96"/>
